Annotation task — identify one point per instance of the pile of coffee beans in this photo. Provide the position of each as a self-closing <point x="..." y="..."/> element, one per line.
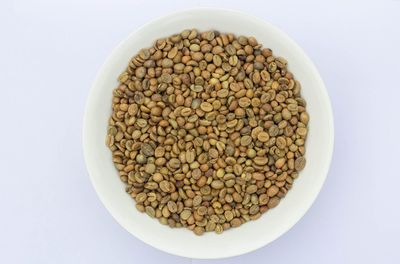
<point x="207" y="130"/>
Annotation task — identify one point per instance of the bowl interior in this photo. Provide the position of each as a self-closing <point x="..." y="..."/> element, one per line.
<point x="249" y="236"/>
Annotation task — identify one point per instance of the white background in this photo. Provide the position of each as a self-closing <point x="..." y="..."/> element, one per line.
<point x="50" y="52"/>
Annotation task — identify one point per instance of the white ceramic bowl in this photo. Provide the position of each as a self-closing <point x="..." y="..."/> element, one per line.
<point x="253" y="234"/>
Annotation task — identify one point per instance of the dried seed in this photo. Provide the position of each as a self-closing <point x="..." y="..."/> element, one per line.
<point x="263" y="136"/>
<point x="251" y="189"/>
<point x="198" y="230"/>
<point x="174" y="163"/>
<point x="185" y="214"/>
<point x="223" y="93"/>
<point x="237" y="197"/>
<point x="150" y="168"/>
<point x="272" y="191"/>
<point x="299" y="163"/>
<point x="304" y="118"/>
<point x="254" y="209"/>
<point x="244" y="102"/>
<point x="206" y="107"/>
<point x="165" y="186"/>
<point x="217" y="184"/>
<point x="273" y="131"/>
<point x="197" y="200"/>
<point x="150" y="211"/>
<point x="228" y="215"/>
<point x="273" y="202"/>
<point x="280" y="162"/>
<point x="172" y="207"/>
<point x="190" y="156"/>
<point x="172" y="53"/>
<point x="186" y="111"/>
<point x="196" y="88"/>
<point x="263" y="199"/>
<point x="147" y="150"/>
<point x="301" y="131"/>
<point x="236" y="222"/>
<point x="260" y="160"/>
<point x="245" y="140"/>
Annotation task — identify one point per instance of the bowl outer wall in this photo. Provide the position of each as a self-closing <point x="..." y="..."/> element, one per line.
<point x="249" y="236"/>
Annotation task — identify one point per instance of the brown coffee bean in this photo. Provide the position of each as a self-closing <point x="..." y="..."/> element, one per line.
<point x="299" y="163"/>
<point x="150" y="168"/>
<point x="258" y="176"/>
<point x="280" y="162"/>
<point x="235" y="222"/>
<point x="304" y="118"/>
<point x="263" y="199"/>
<point x="263" y="136"/>
<point x="251" y="189"/>
<point x="272" y="191"/>
<point x="185" y="214"/>
<point x="260" y="160"/>
<point x="172" y="207"/>
<point x="198" y="230"/>
<point x="245" y="140"/>
<point x="273" y="202"/>
<point x="217" y="184"/>
<point x="150" y="211"/>
<point x="147" y="150"/>
<point x="206" y="107"/>
<point x="237" y="197"/>
<point x="174" y="163"/>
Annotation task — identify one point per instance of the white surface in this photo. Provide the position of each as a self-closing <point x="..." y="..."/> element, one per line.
<point x="248" y="237"/>
<point x="49" y="55"/>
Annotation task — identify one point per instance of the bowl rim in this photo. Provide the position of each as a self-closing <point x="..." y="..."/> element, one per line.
<point x="325" y="98"/>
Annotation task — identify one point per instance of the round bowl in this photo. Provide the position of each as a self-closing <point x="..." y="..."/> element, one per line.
<point x="253" y="234"/>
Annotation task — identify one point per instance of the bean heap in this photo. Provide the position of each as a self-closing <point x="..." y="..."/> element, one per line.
<point x="207" y="130"/>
